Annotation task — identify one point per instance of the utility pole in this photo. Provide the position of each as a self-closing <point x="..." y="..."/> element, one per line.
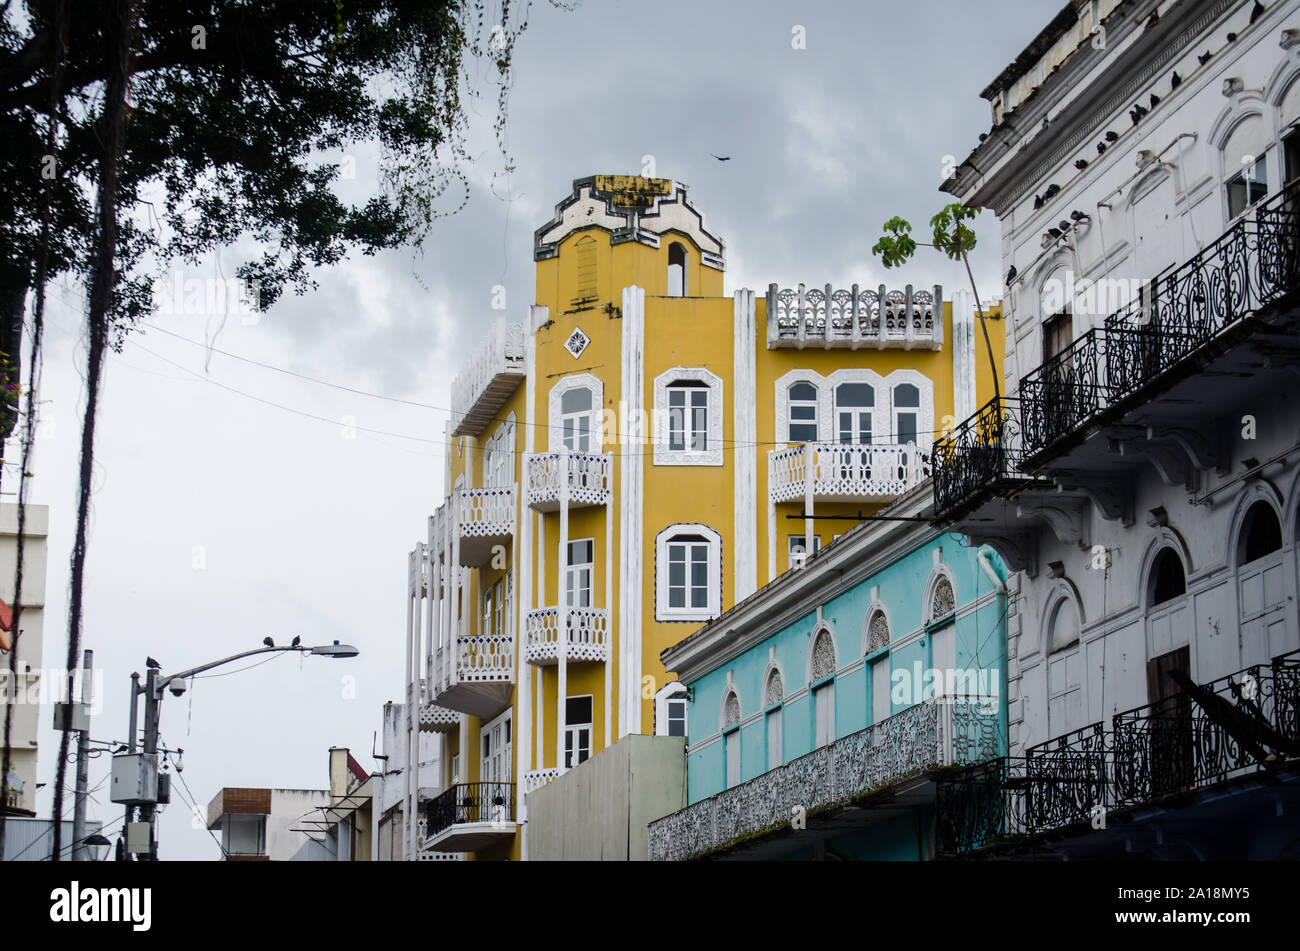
<point x="79" y="852"/>
<point x="148" y="811"/>
<point x="122" y="854"/>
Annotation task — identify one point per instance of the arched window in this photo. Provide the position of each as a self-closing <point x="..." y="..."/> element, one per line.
<point x="677" y="283"/>
<point x="1245" y="166"/>
<point x="802" y="412"/>
<point x="575" y="419"/>
<point x="1064" y="669"/>
<point x="823" y="669"/>
<point x="907" y="413"/>
<point x="731" y="736"/>
<point x="854" y="408"/>
<point x="1055" y="310"/>
<point x="942" y="601"/>
<point x="585" y="276"/>
<point x="773" y="694"/>
<point x="670" y="710"/>
<point x="1167" y="580"/>
<point x="688" y="418"/>
<point x="1261" y="533"/>
<point x="877" y="632"/>
<point x="688" y="573"/>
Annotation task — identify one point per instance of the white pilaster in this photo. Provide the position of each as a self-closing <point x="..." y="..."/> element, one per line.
<point x="523" y="734"/>
<point x="630" y="511"/>
<point x="745" y="447"/>
<point x="562" y="615"/>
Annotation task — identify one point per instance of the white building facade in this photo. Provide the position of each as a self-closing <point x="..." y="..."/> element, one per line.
<point x="1142" y="471"/>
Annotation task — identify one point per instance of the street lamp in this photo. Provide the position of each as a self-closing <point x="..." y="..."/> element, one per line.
<point x="98" y="846"/>
<point x="139" y="775"/>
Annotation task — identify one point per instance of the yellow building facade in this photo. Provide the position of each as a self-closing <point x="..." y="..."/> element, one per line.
<point x="641" y="453"/>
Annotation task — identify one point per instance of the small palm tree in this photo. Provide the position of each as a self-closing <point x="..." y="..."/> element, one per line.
<point x="896" y="247"/>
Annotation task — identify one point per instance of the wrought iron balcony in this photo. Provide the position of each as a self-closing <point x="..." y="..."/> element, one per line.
<point x="1208" y="735"/>
<point x="834" y="472"/>
<point x="1204" y="304"/>
<point x="470" y="816"/>
<point x="586" y="477"/>
<point x="921" y="738"/>
<point x="979" y="459"/>
<point x="854" y="318"/>
<point x="485" y="518"/>
<point x="586" y="633"/>
<point x="491" y="375"/>
<point x="1232" y="726"/>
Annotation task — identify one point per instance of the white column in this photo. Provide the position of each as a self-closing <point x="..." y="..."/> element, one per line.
<point x="541" y="679"/>
<point x="808" y="500"/>
<point x="771" y="535"/>
<point x="745" y="454"/>
<point x="562" y="614"/>
<point x="523" y="588"/>
<point x="630" y="512"/>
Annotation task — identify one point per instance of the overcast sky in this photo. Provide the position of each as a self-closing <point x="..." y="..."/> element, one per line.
<point x="219" y="519"/>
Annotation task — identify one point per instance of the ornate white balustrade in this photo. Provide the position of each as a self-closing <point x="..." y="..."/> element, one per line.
<point x="436" y="719"/>
<point x="854" y="318"/>
<point x="537" y="778"/>
<point x="845" y="473"/>
<point x="428" y="855"/>
<point x="474" y="674"/>
<point x="586" y="631"/>
<point x="589" y="477"/>
<point x="492" y="373"/>
<point x="485" y="518"/>
<point x="929" y="735"/>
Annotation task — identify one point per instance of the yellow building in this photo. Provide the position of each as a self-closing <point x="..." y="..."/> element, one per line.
<point x="637" y="457"/>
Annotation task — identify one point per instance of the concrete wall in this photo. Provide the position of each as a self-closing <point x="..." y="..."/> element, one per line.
<point x="600" y="810"/>
<point x="25" y="720"/>
<point x="289" y="809"/>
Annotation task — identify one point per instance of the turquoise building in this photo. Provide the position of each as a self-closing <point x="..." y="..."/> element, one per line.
<point x="822" y="709"/>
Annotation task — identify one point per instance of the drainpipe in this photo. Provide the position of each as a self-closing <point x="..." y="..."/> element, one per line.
<point x="982" y="557"/>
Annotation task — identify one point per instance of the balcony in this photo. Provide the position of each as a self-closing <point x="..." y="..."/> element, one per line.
<point x="799" y="318"/>
<point x="1155" y="758"/>
<point x="436" y="719"/>
<point x="485" y="518"/>
<point x="491" y="375"/>
<point x="586" y="477"/>
<point x="470" y="816"/>
<point x="844" y="473"/>
<point x="1224" y="314"/>
<point x="475" y="673"/>
<point x="908" y="745"/>
<point x="586" y="635"/>
<point x="979" y="460"/>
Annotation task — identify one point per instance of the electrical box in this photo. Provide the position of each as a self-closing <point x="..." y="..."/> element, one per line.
<point x="137" y="838"/>
<point x="71" y="717"/>
<point x="164" y="788"/>
<point x="134" y="779"/>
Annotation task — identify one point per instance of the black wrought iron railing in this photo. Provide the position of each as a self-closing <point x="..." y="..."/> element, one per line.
<point x="1251" y="266"/>
<point x="978" y="457"/>
<point x="471" y="802"/>
<point x="1240" y="723"/>
<point x="1209" y="734"/>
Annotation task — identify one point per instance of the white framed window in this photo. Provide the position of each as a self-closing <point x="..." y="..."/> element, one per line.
<point x="801" y="412"/>
<point x="1245" y="165"/>
<point x="670" y="710"/>
<point x="688" y="418"/>
<point x="575" y="405"/>
<point x="495" y="740"/>
<point x="774" y="696"/>
<point x="577" y="578"/>
<point x="731" y="736"/>
<point x="499" y="455"/>
<point x="907" y="414"/>
<point x="577" y="730"/>
<point x="855" y="405"/>
<point x="688" y="573"/>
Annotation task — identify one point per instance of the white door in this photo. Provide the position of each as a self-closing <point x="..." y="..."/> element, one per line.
<point x="1064" y="691"/>
<point x="774" y="739"/>
<point x="881" y="707"/>
<point x="1261" y="586"/>
<point x="733" y="758"/>
<point x="824" y="701"/>
<point x="943" y="654"/>
<point x="496" y="738"/>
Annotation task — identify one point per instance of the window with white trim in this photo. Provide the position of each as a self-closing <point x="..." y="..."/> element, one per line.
<point x="1245" y="165"/>
<point x="797" y="549"/>
<point x="577" y="578"/>
<point x="575" y="419"/>
<point x="855" y="405"/>
<point x="907" y="413"/>
<point x="801" y="413"/>
<point x="688" y="418"/>
<point x="688" y="573"/>
<point x="577" y="730"/>
<point x="670" y="710"/>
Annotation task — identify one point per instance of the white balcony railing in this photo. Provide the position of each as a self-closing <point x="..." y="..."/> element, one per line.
<point x="436" y="719"/>
<point x="946" y="731"/>
<point x="485" y="518"/>
<point x="854" y="318"/>
<point x="537" y="778"/>
<point x="845" y="473"/>
<point x="492" y="373"/>
<point x="589" y="477"/>
<point x="586" y="630"/>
